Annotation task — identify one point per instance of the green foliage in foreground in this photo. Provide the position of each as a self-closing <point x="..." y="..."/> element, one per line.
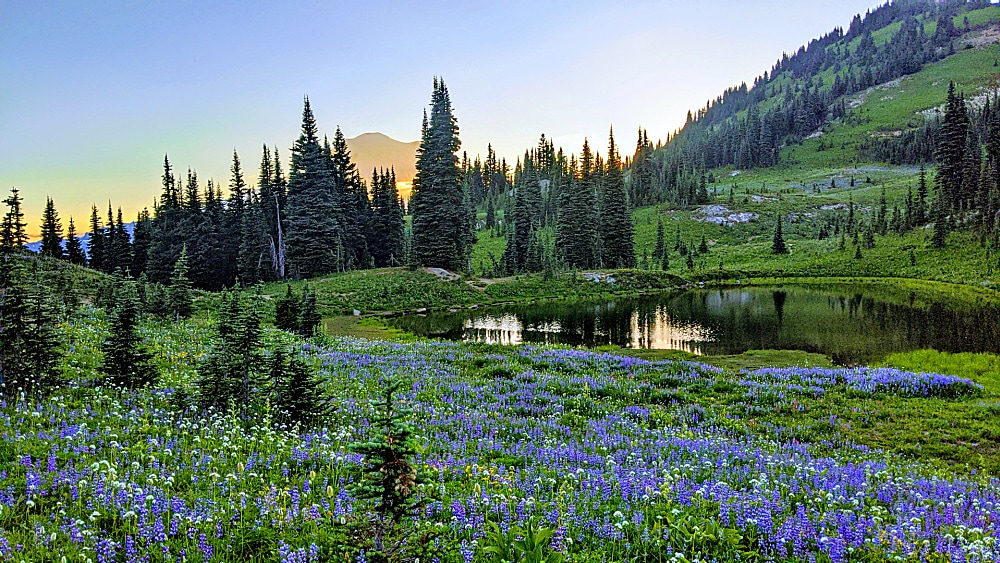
<point x="482" y="416"/>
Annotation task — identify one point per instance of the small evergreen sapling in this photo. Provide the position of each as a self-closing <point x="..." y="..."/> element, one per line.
<point x="286" y="311"/>
<point x="232" y="370"/>
<point x="126" y="362"/>
<point x="389" y="478"/>
<point x="298" y="394"/>
<point x="309" y="317"/>
<point x="179" y="299"/>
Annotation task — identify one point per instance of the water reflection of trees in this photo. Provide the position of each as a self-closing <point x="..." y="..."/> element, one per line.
<point x="850" y="327"/>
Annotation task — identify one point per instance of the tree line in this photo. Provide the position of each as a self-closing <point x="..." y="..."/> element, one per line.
<point x="321" y="218"/>
<point x="746" y="127"/>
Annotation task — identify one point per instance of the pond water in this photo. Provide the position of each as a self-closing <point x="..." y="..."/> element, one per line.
<point x="850" y="324"/>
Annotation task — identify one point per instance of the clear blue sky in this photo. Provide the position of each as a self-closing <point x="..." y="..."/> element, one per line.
<point x="93" y="94"/>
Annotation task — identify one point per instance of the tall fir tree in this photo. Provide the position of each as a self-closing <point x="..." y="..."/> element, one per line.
<point x="617" y="231"/>
<point x="13" y="237"/>
<point x="254" y="252"/>
<point x="120" y="243"/>
<point x="314" y="239"/>
<point x="920" y="204"/>
<point x="387" y="228"/>
<point x="951" y="151"/>
<point x="309" y="317"/>
<point x="778" y="241"/>
<point x="660" y="247"/>
<point x="437" y="204"/>
<point x="233" y="369"/>
<point x="74" y="248"/>
<point x="233" y="247"/>
<point x="95" y="245"/>
<point x="52" y="231"/>
<point x="351" y="199"/>
<point x="521" y="233"/>
<point x="271" y="200"/>
<point x="286" y="311"/>
<point x="142" y="239"/>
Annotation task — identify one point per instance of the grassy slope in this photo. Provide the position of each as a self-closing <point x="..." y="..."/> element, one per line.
<point x="399" y="290"/>
<point x="798" y="189"/>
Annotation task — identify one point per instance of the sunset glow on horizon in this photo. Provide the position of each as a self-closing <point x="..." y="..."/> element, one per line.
<point x="97" y="93"/>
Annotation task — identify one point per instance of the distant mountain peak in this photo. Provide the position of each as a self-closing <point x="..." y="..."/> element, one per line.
<point x="373" y="150"/>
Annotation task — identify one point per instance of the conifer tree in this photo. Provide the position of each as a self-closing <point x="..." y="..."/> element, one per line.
<point x="272" y="198"/>
<point x="29" y="338"/>
<point x="170" y="198"/>
<point x="314" y="240"/>
<point x="142" y="239"/>
<point x="12" y="235"/>
<point x="120" y="243"/>
<point x="52" y="233"/>
<point x="616" y="217"/>
<point x="703" y="245"/>
<point x="437" y="205"/>
<point x="127" y="364"/>
<point x="95" y="246"/>
<point x="286" y="311"/>
<point x="491" y="214"/>
<point x="939" y="215"/>
<point x="74" y="250"/>
<point x="778" y="242"/>
<point x="309" y="317"/>
<point x="233" y="253"/>
<point x="299" y="397"/>
<point x="179" y="299"/>
<point x="521" y="234"/>
<point x="388" y="476"/>
<point x="387" y="228"/>
<point x="577" y="221"/>
<point x="950" y="152"/>
<point x="254" y="251"/>
<point x="920" y="205"/>
<point x="233" y="368"/>
<point x="659" y="249"/>
<point x="351" y="198"/>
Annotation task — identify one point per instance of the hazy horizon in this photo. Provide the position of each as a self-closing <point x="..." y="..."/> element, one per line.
<point x="100" y="92"/>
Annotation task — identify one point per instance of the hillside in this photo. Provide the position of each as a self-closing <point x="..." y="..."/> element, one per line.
<point x="864" y="95"/>
<point x="845" y="187"/>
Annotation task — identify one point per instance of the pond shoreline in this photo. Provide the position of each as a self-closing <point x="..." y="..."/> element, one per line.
<point x="852" y="321"/>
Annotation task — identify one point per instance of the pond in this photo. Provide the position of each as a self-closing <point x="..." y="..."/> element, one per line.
<point x="850" y="324"/>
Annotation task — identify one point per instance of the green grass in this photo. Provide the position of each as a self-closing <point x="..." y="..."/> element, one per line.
<point x="982" y="368"/>
<point x="892" y="108"/>
<point x="371" y="328"/>
<point x="387" y="289"/>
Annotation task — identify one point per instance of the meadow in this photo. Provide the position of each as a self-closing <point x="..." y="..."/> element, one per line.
<point x="617" y="458"/>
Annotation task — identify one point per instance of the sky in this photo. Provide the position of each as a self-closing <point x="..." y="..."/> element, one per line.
<point x="93" y="94"/>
